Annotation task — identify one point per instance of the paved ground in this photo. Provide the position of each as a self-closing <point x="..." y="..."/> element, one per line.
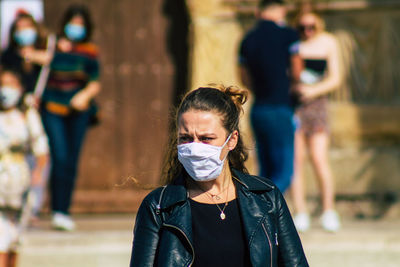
<point x="105" y="240"/>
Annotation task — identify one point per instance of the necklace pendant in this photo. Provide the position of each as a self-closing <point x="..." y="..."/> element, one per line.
<point x="217" y="197"/>
<point x="222" y="215"/>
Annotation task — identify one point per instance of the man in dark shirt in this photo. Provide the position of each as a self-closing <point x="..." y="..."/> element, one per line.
<point x="270" y="67"/>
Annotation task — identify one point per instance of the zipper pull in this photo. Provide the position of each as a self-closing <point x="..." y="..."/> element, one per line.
<point x="158" y="208"/>
<point x="276" y="239"/>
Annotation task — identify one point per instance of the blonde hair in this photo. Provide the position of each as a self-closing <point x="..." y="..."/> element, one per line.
<point x="319" y="21"/>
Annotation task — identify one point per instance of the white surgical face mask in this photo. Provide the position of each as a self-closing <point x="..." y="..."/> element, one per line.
<point x="9" y="96"/>
<point x="202" y="161"/>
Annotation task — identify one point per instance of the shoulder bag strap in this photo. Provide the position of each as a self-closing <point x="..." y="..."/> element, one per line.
<point x="44" y="72"/>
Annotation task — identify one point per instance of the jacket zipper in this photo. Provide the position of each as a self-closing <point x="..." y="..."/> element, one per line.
<point x="158" y="206"/>
<point x="187" y="239"/>
<point x="269" y="241"/>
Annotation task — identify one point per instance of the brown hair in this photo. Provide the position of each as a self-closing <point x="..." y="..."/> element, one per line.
<point x="263" y="4"/>
<point x="40" y="41"/>
<point x="77" y="10"/>
<point x="17" y="75"/>
<point x="226" y="102"/>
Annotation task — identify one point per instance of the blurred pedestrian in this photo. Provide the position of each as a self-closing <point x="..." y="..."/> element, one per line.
<point x="211" y="212"/>
<point x="26" y="51"/>
<point x="21" y="132"/>
<point x="269" y="63"/>
<point x="67" y="107"/>
<point x="321" y="75"/>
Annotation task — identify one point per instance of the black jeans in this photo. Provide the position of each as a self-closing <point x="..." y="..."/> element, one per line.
<point x="66" y="134"/>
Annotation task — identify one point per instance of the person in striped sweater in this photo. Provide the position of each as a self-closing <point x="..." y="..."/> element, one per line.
<point x="67" y="107"/>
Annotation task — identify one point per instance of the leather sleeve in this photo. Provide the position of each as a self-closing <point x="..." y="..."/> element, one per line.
<point x="290" y="250"/>
<point x="145" y="239"/>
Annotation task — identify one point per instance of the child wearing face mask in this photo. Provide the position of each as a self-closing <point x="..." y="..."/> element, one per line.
<point x="21" y="133"/>
<point x="27" y="54"/>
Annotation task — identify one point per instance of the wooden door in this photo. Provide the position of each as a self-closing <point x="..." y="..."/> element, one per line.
<point x="137" y="92"/>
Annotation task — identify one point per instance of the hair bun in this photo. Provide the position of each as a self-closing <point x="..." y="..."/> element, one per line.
<point x="239" y="96"/>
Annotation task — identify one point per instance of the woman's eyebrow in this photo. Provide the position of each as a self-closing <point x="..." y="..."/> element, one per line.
<point x="207" y="134"/>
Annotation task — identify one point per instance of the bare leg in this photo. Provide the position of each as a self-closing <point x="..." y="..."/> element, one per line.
<point x="3" y="259"/>
<point x="297" y="188"/>
<point x="318" y="145"/>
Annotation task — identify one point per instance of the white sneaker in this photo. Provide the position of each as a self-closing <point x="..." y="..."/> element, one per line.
<point x="63" y="222"/>
<point x="302" y="222"/>
<point x="330" y="221"/>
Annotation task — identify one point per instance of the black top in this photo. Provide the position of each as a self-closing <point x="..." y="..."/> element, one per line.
<point x="265" y="52"/>
<point x="317" y="65"/>
<point x="10" y="58"/>
<point x="218" y="242"/>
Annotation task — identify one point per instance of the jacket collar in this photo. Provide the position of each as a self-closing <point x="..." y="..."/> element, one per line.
<point x="177" y="192"/>
<point x="252" y="183"/>
<point x="253" y="208"/>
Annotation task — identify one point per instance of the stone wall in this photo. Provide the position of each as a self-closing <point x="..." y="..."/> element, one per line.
<point x="364" y="112"/>
<point x="215" y="35"/>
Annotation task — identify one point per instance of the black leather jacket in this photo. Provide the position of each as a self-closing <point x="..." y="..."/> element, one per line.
<point x="163" y="229"/>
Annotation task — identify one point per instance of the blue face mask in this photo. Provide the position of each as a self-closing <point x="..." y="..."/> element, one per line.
<point x="75" y="32"/>
<point x="25" y="37"/>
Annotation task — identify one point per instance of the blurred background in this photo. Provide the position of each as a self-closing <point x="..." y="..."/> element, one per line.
<point x="152" y="52"/>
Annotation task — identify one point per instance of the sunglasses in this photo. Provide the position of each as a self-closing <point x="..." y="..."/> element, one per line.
<point x="303" y="27"/>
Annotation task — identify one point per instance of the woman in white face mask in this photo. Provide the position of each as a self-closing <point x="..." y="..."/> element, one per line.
<point x="211" y="212"/>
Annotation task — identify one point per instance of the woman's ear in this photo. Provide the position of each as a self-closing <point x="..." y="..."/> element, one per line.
<point x="233" y="140"/>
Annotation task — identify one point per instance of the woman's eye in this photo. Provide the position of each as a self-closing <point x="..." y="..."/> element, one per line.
<point x="206" y="139"/>
<point x="184" y="139"/>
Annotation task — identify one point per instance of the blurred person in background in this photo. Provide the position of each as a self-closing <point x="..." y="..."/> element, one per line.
<point x="321" y="75"/>
<point x="27" y="54"/>
<point x="211" y="212"/>
<point x="26" y="51"/>
<point x="270" y="67"/>
<point x="67" y="107"/>
<point x="21" y="132"/>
